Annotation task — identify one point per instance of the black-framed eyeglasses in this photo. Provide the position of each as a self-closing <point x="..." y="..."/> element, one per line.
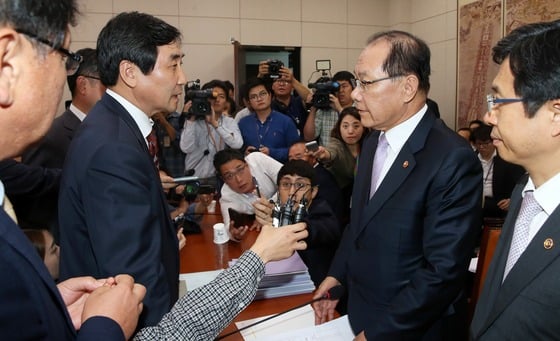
<point x="92" y="77"/>
<point x="492" y="101"/>
<point x="286" y="185"/>
<point x="230" y="175"/>
<point x="73" y="60"/>
<point x="364" y="84"/>
<point x="262" y="94"/>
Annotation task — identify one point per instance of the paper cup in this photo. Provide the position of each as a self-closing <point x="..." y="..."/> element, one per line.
<point x="220" y="234"/>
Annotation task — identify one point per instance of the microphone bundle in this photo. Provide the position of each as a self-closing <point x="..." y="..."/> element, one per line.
<point x="283" y="215"/>
<point x="334" y="293"/>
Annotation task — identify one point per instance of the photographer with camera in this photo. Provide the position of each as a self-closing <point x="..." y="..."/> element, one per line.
<point x="283" y="85"/>
<point x="208" y="131"/>
<point x="328" y="102"/>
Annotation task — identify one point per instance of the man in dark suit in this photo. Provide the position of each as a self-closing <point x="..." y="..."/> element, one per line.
<point x="415" y="206"/>
<point x="520" y="299"/>
<point x="34" y="41"/>
<point x="86" y="89"/>
<point x="498" y="176"/>
<point x="41" y="210"/>
<point x="113" y="214"/>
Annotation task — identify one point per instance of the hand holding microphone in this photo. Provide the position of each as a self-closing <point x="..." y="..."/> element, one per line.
<point x="334" y="294"/>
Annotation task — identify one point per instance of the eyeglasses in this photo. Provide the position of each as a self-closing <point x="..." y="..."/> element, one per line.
<point x="258" y="96"/>
<point x="288" y="185"/>
<point x="73" y="60"/>
<point x="364" y="84"/>
<point x="281" y="81"/>
<point x="492" y="101"/>
<point x="230" y="175"/>
<point x="92" y="77"/>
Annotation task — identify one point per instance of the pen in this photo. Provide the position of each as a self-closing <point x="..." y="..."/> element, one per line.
<point x="256" y="187"/>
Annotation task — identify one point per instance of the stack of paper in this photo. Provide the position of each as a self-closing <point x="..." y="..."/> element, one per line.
<point x="297" y="325"/>
<point x="284" y="278"/>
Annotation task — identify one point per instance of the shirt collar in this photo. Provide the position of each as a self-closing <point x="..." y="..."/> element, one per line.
<point x="1" y="194"/>
<point x="77" y="112"/>
<point x="547" y="194"/>
<point x="143" y="121"/>
<point x="398" y="135"/>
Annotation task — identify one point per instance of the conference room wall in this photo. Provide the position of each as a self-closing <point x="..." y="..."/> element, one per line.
<point x="324" y="29"/>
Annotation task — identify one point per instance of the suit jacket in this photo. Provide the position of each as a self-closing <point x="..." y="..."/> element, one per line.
<point x="527" y="304"/>
<point x="26" y="185"/>
<point x="32" y="308"/>
<point x="330" y="192"/>
<point x="324" y="235"/>
<point x="405" y="253"/>
<point x="52" y="149"/>
<point x="113" y="214"/>
<point x="41" y="211"/>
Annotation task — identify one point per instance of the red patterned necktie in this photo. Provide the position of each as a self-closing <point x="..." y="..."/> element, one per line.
<point x="153" y="147"/>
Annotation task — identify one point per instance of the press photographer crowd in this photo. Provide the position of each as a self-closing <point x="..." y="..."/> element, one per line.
<point x="355" y="172"/>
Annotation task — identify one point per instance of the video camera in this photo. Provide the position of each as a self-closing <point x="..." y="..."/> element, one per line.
<point x="201" y="106"/>
<point x="274" y="67"/>
<point x="324" y="86"/>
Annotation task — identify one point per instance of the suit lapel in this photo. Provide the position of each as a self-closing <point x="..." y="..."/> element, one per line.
<point x="127" y="119"/>
<point x="397" y="174"/>
<point x="532" y="262"/>
<point x="495" y="273"/>
<point x="70" y="123"/>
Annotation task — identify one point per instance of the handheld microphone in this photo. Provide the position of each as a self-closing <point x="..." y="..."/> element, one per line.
<point x="334" y="293"/>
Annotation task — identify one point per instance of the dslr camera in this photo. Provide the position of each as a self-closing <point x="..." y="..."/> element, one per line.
<point x="201" y="106"/>
<point x="274" y="67"/>
<point x="324" y="86"/>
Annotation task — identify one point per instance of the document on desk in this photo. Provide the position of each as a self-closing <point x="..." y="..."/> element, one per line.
<point x="194" y="280"/>
<point x="300" y="326"/>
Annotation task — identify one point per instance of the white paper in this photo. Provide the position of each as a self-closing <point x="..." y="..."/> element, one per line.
<point x="297" y="325"/>
<point x="297" y="319"/>
<point x="335" y="330"/>
<point x="198" y="279"/>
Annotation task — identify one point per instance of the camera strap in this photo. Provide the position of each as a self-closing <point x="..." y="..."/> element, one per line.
<point x="212" y="140"/>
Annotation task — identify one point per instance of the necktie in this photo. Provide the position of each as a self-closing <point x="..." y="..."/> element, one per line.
<point x="153" y="147"/>
<point x="529" y="209"/>
<point x="378" y="162"/>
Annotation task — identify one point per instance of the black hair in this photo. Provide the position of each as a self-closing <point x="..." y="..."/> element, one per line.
<point x="88" y="67"/>
<point x="135" y="37"/>
<point x="481" y="133"/>
<point x="226" y="155"/>
<point x="253" y="83"/>
<point x="47" y="19"/>
<point x="215" y="83"/>
<point x="344" y="76"/>
<point x="352" y="111"/>
<point x="299" y="168"/>
<point x="407" y="55"/>
<point x="534" y="60"/>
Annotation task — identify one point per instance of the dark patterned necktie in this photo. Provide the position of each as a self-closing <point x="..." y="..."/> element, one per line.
<point x="153" y="147"/>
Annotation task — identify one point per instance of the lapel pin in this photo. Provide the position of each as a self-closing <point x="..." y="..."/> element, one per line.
<point x="405" y="164"/>
<point x="548" y="243"/>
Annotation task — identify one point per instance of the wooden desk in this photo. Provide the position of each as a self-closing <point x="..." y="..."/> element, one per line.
<point x="201" y="254"/>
